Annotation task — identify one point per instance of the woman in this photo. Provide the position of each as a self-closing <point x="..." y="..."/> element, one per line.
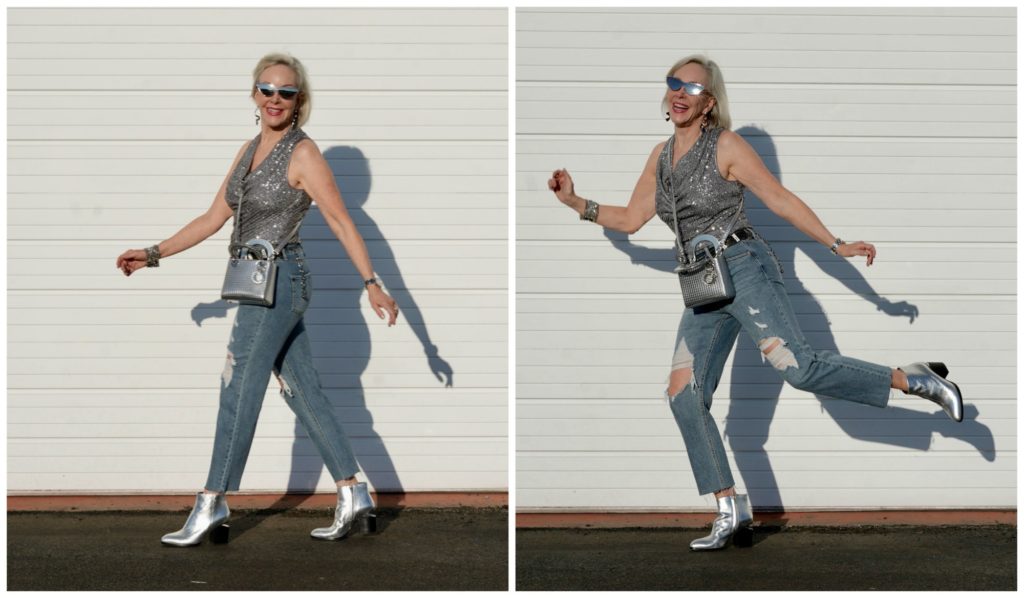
<point x="275" y="177"/>
<point x="708" y="167"/>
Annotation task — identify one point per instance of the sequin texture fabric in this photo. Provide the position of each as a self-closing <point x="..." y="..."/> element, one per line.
<point x="271" y="208"/>
<point x="705" y="201"/>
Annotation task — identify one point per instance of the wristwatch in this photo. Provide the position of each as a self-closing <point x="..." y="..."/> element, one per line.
<point x="369" y="281"/>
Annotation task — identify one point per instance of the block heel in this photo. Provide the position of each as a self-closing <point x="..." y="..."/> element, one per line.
<point x="368" y="524"/>
<point x="220" y="534"/>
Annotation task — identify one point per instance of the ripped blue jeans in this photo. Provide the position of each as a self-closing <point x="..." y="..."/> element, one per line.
<point x="274" y="339"/>
<point x="762" y="309"/>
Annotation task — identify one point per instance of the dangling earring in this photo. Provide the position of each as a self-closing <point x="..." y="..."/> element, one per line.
<point x="704" y="122"/>
<point x="667" y="118"/>
<point x="257" y="113"/>
<point x="295" y="118"/>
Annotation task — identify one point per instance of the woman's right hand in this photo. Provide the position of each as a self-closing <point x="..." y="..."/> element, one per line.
<point x="561" y="183"/>
<point x="131" y="260"/>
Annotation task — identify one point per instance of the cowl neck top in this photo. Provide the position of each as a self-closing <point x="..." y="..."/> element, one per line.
<point x="706" y="203"/>
<point x="271" y="208"/>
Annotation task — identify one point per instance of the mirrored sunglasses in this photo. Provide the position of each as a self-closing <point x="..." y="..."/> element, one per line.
<point x="287" y="92"/>
<point x="691" y="89"/>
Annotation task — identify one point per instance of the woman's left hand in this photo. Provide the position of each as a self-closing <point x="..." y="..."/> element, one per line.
<point x="857" y="248"/>
<point x="382" y="303"/>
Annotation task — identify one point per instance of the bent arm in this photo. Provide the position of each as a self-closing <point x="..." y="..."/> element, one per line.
<point x="744" y="165"/>
<point x="629" y="218"/>
<point x="207" y="224"/>
<point x="189" y="235"/>
<point x="198" y="230"/>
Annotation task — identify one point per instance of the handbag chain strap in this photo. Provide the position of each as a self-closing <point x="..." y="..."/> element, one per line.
<point x="680" y="250"/>
<point x="236" y="240"/>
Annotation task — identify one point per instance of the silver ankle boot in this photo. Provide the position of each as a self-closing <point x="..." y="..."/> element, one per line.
<point x="354" y="507"/>
<point x="928" y="381"/>
<point x="733" y="523"/>
<point x="209" y="516"/>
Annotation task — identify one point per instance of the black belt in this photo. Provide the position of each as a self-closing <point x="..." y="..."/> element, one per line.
<point x="743" y="234"/>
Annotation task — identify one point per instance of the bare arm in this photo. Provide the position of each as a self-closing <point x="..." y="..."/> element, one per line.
<point x="312" y="174"/>
<point x="741" y="163"/>
<point x="627" y="219"/>
<point x="192" y="233"/>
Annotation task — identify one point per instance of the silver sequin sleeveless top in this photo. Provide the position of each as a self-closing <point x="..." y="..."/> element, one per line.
<point x="705" y="201"/>
<point x="272" y="209"/>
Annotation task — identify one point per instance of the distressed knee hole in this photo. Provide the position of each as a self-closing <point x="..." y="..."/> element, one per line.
<point x="678" y="380"/>
<point x="778" y="354"/>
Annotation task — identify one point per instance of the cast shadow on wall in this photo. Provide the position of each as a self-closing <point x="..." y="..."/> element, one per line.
<point x="339" y="331"/>
<point x="752" y="406"/>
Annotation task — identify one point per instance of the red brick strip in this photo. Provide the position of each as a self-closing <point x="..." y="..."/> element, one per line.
<point x="794" y="518"/>
<point x="176" y="502"/>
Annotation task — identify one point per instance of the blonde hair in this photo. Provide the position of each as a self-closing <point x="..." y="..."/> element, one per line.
<point x="719" y="115"/>
<point x="305" y="97"/>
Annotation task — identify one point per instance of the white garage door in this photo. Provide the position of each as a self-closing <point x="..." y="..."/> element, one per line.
<point x="121" y="126"/>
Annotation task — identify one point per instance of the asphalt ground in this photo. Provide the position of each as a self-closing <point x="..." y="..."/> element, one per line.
<point x="414" y="549"/>
<point x="836" y="559"/>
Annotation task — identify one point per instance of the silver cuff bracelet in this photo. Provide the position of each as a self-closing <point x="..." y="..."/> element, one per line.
<point x="590" y="211"/>
<point x="153" y="256"/>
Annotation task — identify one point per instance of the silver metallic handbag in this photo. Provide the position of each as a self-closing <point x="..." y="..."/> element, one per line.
<point x="705" y="278"/>
<point x="703" y="271"/>
<point x="251" y="278"/>
<point x="252" y="274"/>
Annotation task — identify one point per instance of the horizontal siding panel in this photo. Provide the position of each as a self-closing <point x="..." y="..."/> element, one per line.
<point x="132" y="233"/>
<point x="811" y="40"/>
<point x="640" y="481"/>
<point x="965" y="129"/>
<point x="793" y="74"/>
<point x="257" y="481"/>
<point x="218" y="132"/>
<point x="802" y="305"/>
<point x="654" y="387"/>
<point x="849" y="341"/>
<point x="227" y="18"/>
<point x="283" y="429"/>
<point x="745" y="376"/>
<point x="778" y="462"/>
<point x="866" y="496"/>
<point x="624" y="100"/>
<point x="172" y="415"/>
<point x="312" y="463"/>
<point x="824" y="286"/>
<point x="372" y="447"/>
<point x="202" y="398"/>
<point x="669" y="440"/>
<point x="897" y="59"/>
<point x="993" y="22"/>
<point x="633" y="150"/>
<point x="997" y="232"/>
<point x="784" y="430"/>
<point x="147" y="34"/>
<point x="244" y="50"/>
